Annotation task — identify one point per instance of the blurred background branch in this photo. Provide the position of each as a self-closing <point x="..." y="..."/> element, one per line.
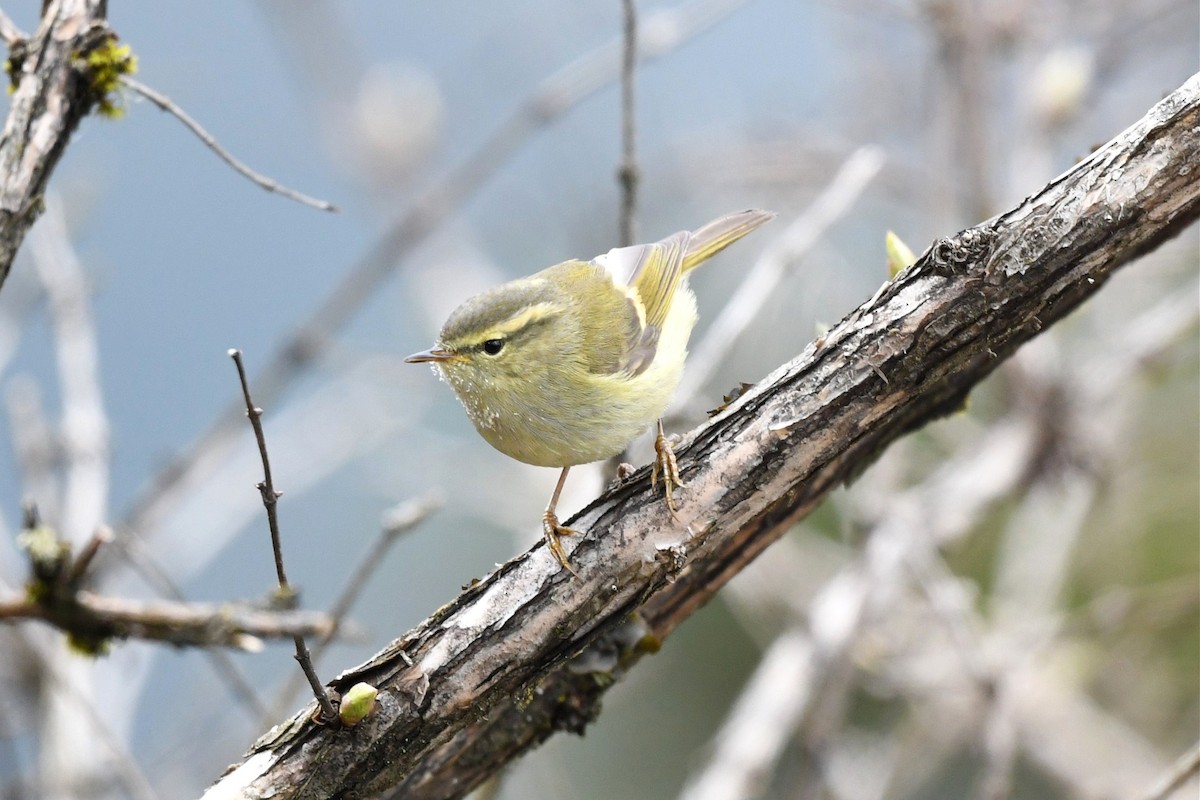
<point x="91" y="617"/>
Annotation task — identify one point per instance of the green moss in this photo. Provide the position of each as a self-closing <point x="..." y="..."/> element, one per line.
<point x="103" y="66"/>
<point x="89" y="645"/>
<point x="48" y="557"/>
<point x="603" y="679"/>
<point x="524" y="697"/>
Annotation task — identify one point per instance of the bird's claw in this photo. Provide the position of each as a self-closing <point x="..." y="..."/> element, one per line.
<point x="551" y="532"/>
<point x="666" y="466"/>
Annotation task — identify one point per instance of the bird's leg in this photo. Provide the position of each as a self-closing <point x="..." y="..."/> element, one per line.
<point x="665" y="463"/>
<point x="551" y="530"/>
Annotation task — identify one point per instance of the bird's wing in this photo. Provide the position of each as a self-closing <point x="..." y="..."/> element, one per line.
<point x="647" y="276"/>
<point x="650" y="275"/>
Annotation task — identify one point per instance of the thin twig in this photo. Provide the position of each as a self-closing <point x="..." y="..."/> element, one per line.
<point x="270" y="499"/>
<point x="627" y="173"/>
<point x="167" y="104"/>
<point x="266" y="486"/>
<point x="79" y="566"/>
<point x="399" y="520"/>
<point x="181" y="624"/>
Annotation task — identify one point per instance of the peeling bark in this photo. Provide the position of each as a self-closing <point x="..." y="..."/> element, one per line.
<point x="530" y="650"/>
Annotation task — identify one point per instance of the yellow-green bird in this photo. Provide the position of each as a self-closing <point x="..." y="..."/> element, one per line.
<point x="569" y="365"/>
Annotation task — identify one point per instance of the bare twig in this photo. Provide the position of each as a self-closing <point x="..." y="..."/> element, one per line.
<point x="266" y="486"/>
<point x="96" y="617"/>
<point x="332" y="425"/>
<point x="167" y="104"/>
<point x="270" y="499"/>
<point x="627" y="172"/>
<point x="554" y="97"/>
<point x="79" y="566"/>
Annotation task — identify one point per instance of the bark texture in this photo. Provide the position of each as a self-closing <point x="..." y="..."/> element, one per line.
<point x="53" y="92"/>
<point x="530" y="650"/>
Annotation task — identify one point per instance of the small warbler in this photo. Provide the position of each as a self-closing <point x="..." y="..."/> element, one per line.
<point x="569" y="365"/>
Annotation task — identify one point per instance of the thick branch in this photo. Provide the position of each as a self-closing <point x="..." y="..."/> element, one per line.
<point x="491" y="674"/>
<point x="52" y="95"/>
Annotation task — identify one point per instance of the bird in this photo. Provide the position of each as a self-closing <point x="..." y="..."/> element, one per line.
<point x="570" y="364"/>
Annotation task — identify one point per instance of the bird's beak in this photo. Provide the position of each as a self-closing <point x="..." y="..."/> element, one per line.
<point x="437" y="355"/>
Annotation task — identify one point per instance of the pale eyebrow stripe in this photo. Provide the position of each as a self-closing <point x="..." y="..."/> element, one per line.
<point x="528" y="316"/>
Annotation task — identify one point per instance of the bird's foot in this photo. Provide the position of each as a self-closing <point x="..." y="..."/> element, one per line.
<point x="552" y="531"/>
<point x="666" y="466"/>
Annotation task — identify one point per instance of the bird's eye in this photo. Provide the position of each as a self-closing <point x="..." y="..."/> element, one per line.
<point x="493" y="346"/>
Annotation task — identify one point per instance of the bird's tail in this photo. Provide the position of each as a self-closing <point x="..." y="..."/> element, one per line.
<point x="714" y="237"/>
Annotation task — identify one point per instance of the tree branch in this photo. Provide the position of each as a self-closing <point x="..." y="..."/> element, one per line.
<point x="94" y="617"/>
<point x="270" y="498"/>
<point x="500" y="669"/>
<point x="627" y="170"/>
<point x="52" y="94"/>
<point x="269" y="184"/>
